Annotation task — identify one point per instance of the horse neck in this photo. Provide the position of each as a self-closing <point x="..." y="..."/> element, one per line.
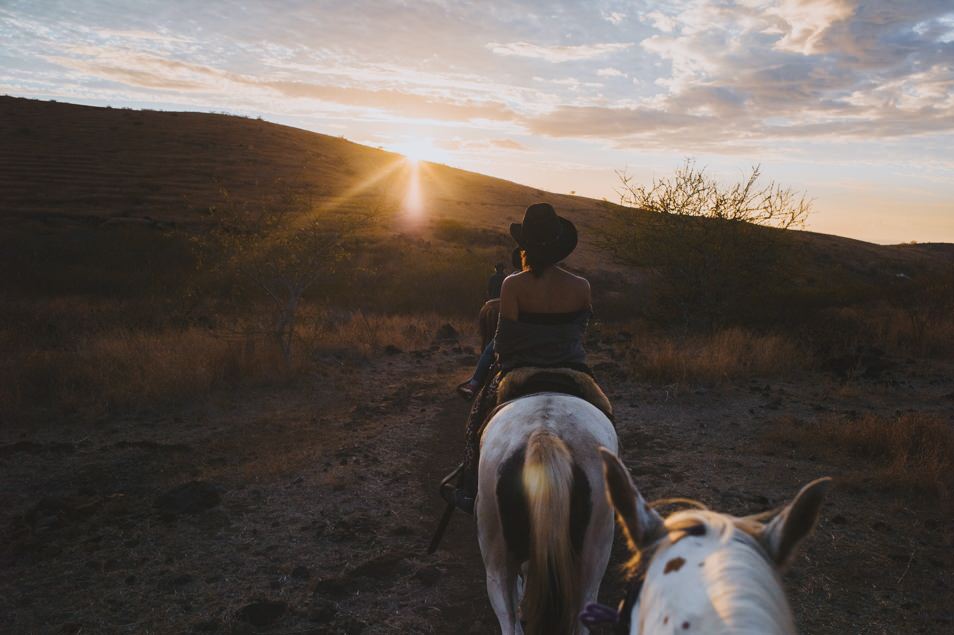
<point x="720" y="582"/>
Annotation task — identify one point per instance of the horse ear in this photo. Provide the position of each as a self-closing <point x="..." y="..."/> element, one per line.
<point x="783" y="534"/>
<point x="640" y="523"/>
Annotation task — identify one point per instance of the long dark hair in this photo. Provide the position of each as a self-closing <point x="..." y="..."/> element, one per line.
<point x="533" y="264"/>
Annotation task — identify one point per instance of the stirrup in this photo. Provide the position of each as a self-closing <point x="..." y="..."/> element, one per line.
<point x="455" y="495"/>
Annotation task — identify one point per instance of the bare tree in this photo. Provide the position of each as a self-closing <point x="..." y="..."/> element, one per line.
<point x="691" y="192"/>
<point x="716" y="247"/>
<point x="284" y="248"/>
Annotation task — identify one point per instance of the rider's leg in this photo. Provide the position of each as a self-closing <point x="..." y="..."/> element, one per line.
<point x="470" y="387"/>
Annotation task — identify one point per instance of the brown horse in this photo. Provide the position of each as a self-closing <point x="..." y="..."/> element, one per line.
<point x="487" y="321"/>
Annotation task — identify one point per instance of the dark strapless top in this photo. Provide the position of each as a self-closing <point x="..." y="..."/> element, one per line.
<point x="550" y="318"/>
<point x="541" y="339"/>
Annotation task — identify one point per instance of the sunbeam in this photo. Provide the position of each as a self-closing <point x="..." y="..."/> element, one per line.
<point x="413" y="202"/>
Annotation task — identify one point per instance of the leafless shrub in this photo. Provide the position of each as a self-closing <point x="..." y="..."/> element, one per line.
<point x="718" y="250"/>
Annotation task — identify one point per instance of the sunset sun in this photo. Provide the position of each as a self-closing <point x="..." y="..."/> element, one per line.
<point x="420" y="149"/>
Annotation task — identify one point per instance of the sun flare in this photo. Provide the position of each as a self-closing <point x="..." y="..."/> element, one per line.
<point x="421" y="149"/>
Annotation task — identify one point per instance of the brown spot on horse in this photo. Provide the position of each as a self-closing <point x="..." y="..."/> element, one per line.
<point x="674" y="565"/>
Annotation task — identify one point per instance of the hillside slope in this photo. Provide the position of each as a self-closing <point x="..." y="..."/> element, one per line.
<point x="63" y="162"/>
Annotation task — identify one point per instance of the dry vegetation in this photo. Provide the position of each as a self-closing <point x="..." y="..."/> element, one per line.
<point x="719" y="357"/>
<point x="113" y="371"/>
<point x="912" y="451"/>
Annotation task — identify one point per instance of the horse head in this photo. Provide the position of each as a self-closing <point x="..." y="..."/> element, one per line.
<point x="702" y="571"/>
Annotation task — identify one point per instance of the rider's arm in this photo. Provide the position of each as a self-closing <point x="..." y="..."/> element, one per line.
<point x="509" y="308"/>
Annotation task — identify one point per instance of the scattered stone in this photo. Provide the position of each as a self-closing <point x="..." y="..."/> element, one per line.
<point x="261" y="612"/>
<point x="301" y="572"/>
<point x="31" y="447"/>
<point x="334" y="587"/>
<point x="429" y="575"/>
<point x="189" y="498"/>
<point x="182" y="580"/>
<point x="322" y="611"/>
<point x="447" y="333"/>
<point x="206" y="626"/>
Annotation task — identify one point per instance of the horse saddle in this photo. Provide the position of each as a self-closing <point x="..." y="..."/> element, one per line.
<point x="531" y="380"/>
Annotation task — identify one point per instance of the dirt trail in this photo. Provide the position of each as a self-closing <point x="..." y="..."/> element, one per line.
<point x="308" y="508"/>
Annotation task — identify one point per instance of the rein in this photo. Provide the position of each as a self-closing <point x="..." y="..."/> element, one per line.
<point x="600" y="615"/>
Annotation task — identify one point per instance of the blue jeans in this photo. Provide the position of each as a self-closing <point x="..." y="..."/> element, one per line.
<point x="483" y="365"/>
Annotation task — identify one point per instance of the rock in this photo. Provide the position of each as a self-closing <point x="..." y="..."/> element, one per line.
<point x="447" y="333"/>
<point x="301" y="572"/>
<point x="189" y="498"/>
<point x="428" y="576"/>
<point x="206" y="626"/>
<point x="335" y="587"/>
<point x="322" y="611"/>
<point x="261" y="612"/>
<point x="182" y="580"/>
<point x="391" y="349"/>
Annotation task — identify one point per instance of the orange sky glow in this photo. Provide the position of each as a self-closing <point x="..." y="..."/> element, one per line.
<point x="851" y="102"/>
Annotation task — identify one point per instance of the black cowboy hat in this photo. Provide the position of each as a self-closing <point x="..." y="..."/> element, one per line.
<point x="544" y="235"/>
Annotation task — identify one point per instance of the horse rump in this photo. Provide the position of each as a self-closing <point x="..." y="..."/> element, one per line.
<point x="544" y="502"/>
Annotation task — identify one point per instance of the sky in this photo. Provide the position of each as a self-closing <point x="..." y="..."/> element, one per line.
<point x="851" y="102"/>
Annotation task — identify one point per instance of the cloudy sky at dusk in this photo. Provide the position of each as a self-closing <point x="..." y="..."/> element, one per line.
<point x="850" y="101"/>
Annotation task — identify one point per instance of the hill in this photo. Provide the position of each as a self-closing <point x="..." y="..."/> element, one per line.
<point x="62" y="164"/>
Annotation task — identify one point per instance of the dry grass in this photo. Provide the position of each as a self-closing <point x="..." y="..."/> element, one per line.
<point x="718" y="357"/>
<point x="913" y="451"/>
<point x="126" y="370"/>
<point x="906" y="331"/>
<point x="108" y="371"/>
<point x="366" y="334"/>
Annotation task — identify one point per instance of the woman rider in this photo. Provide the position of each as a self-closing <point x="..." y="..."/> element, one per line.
<point x="544" y="311"/>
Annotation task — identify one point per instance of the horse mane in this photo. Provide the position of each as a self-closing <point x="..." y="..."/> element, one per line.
<point x="631" y="568"/>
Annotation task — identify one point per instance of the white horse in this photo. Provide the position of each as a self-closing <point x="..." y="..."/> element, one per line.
<point x="706" y="572"/>
<point x="542" y="512"/>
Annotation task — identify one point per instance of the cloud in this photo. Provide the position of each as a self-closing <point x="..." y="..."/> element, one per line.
<point x="557" y="54"/>
<point x="758" y="73"/>
<point x="404" y="103"/>
<point x="509" y="144"/>
<point x="802" y="23"/>
<point x="713" y="73"/>
<point x="147" y="70"/>
<point x="660" y="21"/>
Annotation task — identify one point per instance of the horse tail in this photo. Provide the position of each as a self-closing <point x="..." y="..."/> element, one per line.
<point x="552" y="594"/>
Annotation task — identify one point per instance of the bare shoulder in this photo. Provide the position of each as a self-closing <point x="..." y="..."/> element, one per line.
<point x="577" y="281"/>
<point x="515" y="280"/>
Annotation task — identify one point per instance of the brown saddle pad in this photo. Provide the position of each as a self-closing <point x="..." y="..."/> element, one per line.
<point x="521" y="382"/>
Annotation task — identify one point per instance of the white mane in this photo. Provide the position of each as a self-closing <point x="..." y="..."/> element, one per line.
<point x="709" y="575"/>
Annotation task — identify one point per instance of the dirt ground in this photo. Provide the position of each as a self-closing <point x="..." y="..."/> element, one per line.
<point x="308" y="509"/>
